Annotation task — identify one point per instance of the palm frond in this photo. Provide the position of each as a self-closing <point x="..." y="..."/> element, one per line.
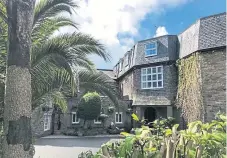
<point x="55" y="96"/>
<point x="99" y="83"/>
<point x="50" y="8"/>
<point x="71" y="46"/>
<point x="43" y="31"/>
<point x="68" y="50"/>
<point x="3" y="15"/>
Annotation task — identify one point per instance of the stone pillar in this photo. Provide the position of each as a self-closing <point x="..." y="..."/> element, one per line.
<point x="169" y="111"/>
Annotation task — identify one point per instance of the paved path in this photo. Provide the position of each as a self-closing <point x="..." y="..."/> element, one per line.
<point x="68" y="147"/>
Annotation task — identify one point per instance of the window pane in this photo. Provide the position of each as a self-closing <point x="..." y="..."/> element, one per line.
<point x="159" y="76"/>
<point x="116" y="118"/>
<point x="154" y="70"/>
<point x="159" y="83"/>
<point x="148" y="52"/>
<point x="154" y="84"/>
<point x="144" y="85"/>
<point x="119" y="117"/>
<point x="149" y="85"/>
<point x="74" y="118"/>
<point x="143" y="71"/>
<point x="153" y="52"/>
<point x="151" y="45"/>
<point x="148" y="70"/>
<point x="144" y="78"/>
<point x="159" y="69"/>
<point x="148" y="77"/>
<point x="154" y="77"/>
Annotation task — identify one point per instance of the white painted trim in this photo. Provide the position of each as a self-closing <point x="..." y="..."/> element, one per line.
<point x="118" y="118"/>
<point x="141" y="76"/>
<point x="98" y="122"/>
<point x="48" y="115"/>
<point x="74" y="113"/>
<point x="156" y="48"/>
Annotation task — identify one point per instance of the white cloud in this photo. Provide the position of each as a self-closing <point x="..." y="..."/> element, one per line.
<point x="161" y="30"/>
<point x="106" y="19"/>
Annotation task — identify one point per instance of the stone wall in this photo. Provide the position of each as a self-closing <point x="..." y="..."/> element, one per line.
<point x="213" y="72"/>
<point x="37" y="122"/>
<point x="161" y="96"/>
<point x="204" y="95"/>
<point x="127" y="86"/>
<point x="106" y="103"/>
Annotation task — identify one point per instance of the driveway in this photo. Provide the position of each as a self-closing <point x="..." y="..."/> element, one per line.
<point x="68" y="147"/>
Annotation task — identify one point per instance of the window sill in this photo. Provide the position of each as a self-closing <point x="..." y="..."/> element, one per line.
<point x="146" y="56"/>
<point x="97" y="123"/>
<point x="152" y="88"/>
<point x="75" y="123"/>
<point x="118" y="122"/>
<point x="46" y="130"/>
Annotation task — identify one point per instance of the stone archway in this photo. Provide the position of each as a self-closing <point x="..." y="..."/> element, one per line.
<point x="150" y="114"/>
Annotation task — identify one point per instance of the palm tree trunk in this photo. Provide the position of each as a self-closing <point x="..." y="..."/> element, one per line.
<point x="17" y="110"/>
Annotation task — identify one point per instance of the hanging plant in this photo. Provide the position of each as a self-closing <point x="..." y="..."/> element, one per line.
<point x="129" y="111"/>
<point x="103" y="117"/>
<point x="111" y="109"/>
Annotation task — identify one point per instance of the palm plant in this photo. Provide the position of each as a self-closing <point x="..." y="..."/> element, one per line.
<point x="55" y="57"/>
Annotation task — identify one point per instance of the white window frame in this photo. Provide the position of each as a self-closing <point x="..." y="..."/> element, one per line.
<point x="96" y="121"/>
<point x="46" y="127"/>
<point x="121" y="64"/>
<point x="126" y="59"/>
<point x="117" y="115"/>
<point x="156" y="45"/>
<point x="76" y="122"/>
<point x="157" y="80"/>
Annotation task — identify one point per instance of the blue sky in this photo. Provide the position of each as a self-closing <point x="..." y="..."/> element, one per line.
<point x="120" y="23"/>
<point x="179" y="18"/>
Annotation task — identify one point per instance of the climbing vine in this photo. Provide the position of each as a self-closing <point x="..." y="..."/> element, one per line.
<point x="189" y="96"/>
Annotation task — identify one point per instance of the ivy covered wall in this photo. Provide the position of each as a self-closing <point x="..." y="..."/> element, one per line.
<point x="189" y="94"/>
<point x="202" y="85"/>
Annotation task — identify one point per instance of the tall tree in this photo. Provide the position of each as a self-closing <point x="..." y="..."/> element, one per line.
<point x="18" y="92"/>
<point x="54" y="57"/>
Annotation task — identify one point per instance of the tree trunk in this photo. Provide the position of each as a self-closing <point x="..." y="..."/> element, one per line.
<point x="17" y="110"/>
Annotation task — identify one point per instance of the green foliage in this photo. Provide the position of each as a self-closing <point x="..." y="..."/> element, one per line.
<point x="189" y="95"/>
<point x="200" y="140"/>
<point x="89" y="106"/>
<point x="54" y="57"/>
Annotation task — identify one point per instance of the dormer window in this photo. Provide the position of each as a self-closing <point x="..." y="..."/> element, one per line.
<point x="121" y="65"/>
<point x="151" y="49"/>
<point x="126" y="60"/>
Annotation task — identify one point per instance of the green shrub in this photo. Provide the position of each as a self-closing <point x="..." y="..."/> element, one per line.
<point x="89" y="106"/>
<point x="200" y="140"/>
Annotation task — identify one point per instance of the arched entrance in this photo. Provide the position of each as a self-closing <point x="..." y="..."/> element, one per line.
<point x="149" y="114"/>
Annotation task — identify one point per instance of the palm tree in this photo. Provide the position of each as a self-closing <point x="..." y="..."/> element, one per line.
<point x="17" y="112"/>
<point x="55" y="57"/>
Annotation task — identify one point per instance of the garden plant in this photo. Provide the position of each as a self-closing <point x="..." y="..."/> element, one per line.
<point x="199" y="140"/>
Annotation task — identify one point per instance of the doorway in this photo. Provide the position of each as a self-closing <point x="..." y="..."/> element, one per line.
<point x="150" y="114"/>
